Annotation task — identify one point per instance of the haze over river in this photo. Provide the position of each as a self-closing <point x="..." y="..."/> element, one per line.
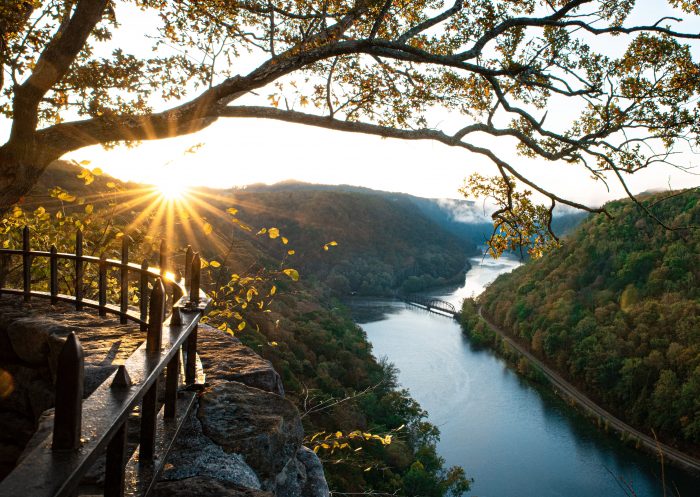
<point x="513" y="438"/>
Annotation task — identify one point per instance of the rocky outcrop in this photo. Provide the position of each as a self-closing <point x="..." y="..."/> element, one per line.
<point x="202" y="486"/>
<point x="225" y="358"/>
<point x="243" y="432"/>
<point x="243" y="438"/>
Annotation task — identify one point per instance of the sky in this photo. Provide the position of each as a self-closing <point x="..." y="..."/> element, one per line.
<point x="236" y="152"/>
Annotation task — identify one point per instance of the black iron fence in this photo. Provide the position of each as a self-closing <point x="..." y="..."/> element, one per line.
<point x="83" y="430"/>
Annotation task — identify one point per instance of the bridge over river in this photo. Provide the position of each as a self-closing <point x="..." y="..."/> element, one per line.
<point x="432" y="305"/>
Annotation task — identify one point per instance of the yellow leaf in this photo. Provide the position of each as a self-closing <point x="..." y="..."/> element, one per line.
<point x="97" y="171"/>
<point x="273" y="344"/>
<point x="262" y="231"/>
<point x="89" y="208"/>
<point x="292" y="273"/>
<point x="241" y="326"/>
<point x="111" y="184"/>
<point x="285" y="241"/>
<point x="291" y="252"/>
<point x="231" y="210"/>
<point x="207" y="228"/>
<point x="249" y="294"/>
<point x="215" y="264"/>
<point x="84" y="162"/>
<point x="273" y="290"/>
<point x="274" y="233"/>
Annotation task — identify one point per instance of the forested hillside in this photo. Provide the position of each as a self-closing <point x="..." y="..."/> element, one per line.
<point x="383" y="245"/>
<point x="617" y="309"/>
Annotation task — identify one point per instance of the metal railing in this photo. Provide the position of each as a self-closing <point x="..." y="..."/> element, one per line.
<point x="83" y="430"/>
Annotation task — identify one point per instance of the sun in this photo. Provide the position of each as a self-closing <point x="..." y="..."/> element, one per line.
<point x="171" y="189"/>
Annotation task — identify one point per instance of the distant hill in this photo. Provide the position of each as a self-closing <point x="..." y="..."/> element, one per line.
<point x="463" y="218"/>
<point x="617" y="310"/>
<point x="384" y="243"/>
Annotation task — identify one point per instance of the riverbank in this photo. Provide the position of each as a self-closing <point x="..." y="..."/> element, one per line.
<point x="574" y="396"/>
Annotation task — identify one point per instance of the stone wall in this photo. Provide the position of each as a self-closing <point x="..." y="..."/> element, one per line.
<point x="243" y="438"/>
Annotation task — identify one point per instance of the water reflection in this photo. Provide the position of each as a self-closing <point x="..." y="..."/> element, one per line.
<point x="513" y="437"/>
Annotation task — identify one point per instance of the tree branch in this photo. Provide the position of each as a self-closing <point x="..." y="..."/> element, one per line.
<point x="53" y="64"/>
<point x="388" y="132"/>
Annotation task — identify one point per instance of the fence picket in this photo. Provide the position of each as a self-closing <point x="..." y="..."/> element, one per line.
<point x="143" y="295"/>
<point x="79" y="269"/>
<point x="70" y="379"/>
<point x="102" y="285"/>
<point x="26" y="265"/>
<point x="124" y="281"/>
<point x="53" y="270"/>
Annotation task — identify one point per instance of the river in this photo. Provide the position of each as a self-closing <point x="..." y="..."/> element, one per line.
<point x="514" y="438"/>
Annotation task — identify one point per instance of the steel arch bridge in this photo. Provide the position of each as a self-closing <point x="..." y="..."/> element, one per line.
<point x="431" y="304"/>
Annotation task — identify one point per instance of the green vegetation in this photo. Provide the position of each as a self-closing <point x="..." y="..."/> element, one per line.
<point x="617" y="310"/>
<point x="385" y="244"/>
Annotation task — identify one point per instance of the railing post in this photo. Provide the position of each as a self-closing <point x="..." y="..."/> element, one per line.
<point x="149" y="405"/>
<point x="172" y="381"/>
<point x="194" y="279"/>
<point x="78" y="269"/>
<point x="70" y="376"/>
<point x="124" y="293"/>
<point x="26" y="265"/>
<point x="156" y="311"/>
<point x="115" y="465"/>
<point x="143" y="294"/>
<point x="53" y="270"/>
<point x="188" y="265"/>
<point x="163" y="258"/>
<point x="4" y="269"/>
<point x="102" y="285"/>
<point x="191" y="357"/>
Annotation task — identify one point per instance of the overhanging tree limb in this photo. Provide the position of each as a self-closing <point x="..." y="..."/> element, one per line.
<point x="388" y="132"/>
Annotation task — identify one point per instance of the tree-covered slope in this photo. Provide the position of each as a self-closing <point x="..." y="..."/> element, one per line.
<point x="383" y="244"/>
<point x="617" y="309"/>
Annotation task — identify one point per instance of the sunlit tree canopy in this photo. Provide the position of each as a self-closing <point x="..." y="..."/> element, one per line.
<point x="383" y="67"/>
